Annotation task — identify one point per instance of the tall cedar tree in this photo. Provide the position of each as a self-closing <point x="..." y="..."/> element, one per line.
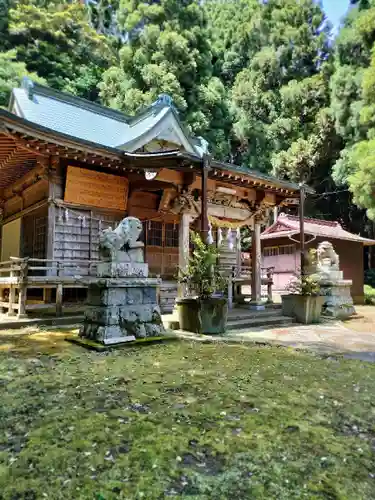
<point x="168" y="51"/>
<point x="54" y="40"/>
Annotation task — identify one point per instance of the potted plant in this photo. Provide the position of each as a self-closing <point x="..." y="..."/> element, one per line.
<point x="304" y="301"/>
<point x="204" y="308"/>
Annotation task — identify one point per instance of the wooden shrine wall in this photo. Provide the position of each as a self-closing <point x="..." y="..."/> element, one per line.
<point x="76" y="233"/>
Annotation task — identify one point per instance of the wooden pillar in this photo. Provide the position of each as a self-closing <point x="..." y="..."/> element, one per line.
<point x="22" y="290"/>
<point x="12" y="292"/>
<point x="269" y="285"/>
<point x="302" y="227"/>
<point x="11" y="300"/>
<point x="22" y="294"/>
<point x="204" y="198"/>
<point x="256" y="259"/>
<point x="59" y="299"/>
<point x="183" y="246"/>
<point x="50" y="236"/>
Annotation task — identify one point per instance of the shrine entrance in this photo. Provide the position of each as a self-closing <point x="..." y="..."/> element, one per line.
<point x="161" y="248"/>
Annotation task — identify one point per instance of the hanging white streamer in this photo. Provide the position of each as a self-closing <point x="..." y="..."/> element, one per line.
<point x="66" y="214"/>
<point x="210" y="238"/>
<point x="238" y="237"/>
<point x="230" y="240"/>
<point x="219" y="237"/>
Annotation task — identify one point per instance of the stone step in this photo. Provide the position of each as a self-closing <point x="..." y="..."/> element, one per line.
<point x="269" y="307"/>
<point x="244" y="314"/>
<point x="64" y="321"/>
<point x="264" y="322"/>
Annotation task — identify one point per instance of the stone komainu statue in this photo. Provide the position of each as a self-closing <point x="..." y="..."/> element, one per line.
<point x="327" y="258"/>
<point x="120" y="244"/>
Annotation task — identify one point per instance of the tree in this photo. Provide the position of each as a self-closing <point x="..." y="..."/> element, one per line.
<point x="353" y="92"/>
<point x="55" y="41"/>
<point x="234" y="26"/>
<point x="278" y="98"/>
<point x="11" y="74"/>
<point x="168" y="51"/>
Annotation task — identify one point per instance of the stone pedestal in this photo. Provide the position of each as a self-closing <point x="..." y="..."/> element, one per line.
<point x="122" y="305"/>
<point x="338" y="302"/>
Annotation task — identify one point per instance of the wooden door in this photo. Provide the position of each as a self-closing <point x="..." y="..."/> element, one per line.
<point x="161" y="241"/>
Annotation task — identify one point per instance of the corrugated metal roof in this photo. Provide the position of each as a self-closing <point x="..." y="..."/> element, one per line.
<point x="288" y="225"/>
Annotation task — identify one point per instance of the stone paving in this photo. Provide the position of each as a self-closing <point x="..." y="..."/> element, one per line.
<point x="354" y="338"/>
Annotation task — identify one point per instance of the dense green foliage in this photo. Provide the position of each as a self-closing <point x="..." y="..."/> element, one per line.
<point x="168" y="51"/>
<point x="54" y="40"/>
<point x="265" y="83"/>
<point x="352" y="88"/>
<point x="202" y="276"/>
<point x="11" y="73"/>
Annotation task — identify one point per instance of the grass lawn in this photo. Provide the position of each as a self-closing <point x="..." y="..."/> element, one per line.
<point x="182" y="420"/>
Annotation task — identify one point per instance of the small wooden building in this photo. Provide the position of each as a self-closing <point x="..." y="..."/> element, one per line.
<point x="280" y="249"/>
<point x="69" y="168"/>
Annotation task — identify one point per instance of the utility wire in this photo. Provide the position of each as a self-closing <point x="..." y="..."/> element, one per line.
<point x="323" y="195"/>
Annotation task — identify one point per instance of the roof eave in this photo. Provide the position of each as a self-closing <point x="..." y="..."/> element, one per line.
<point x="286" y="234"/>
<point x="260" y="176"/>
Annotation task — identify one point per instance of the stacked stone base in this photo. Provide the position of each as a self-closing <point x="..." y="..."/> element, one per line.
<point x="338" y="302"/>
<point x="122" y="310"/>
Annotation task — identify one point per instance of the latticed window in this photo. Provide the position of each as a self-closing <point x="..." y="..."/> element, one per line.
<point x="281" y="250"/>
<point x="155" y="233"/>
<point x="34" y="237"/>
<point x="171" y="235"/>
<point x="270" y="251"/>
<point x="286" y="250"/>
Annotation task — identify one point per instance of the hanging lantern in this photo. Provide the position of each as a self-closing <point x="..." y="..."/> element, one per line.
<point x="219" y="236"/>
<point x="66" y="214"/>
<point x="84" y="221"/>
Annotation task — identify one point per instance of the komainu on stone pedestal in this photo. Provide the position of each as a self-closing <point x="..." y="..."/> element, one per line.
<point x="122" y="302"/>
<point x="338" y="301"/>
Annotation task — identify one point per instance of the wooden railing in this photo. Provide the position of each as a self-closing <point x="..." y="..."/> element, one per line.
<point x="239" y="276"/>
<point x="23" y="273"/>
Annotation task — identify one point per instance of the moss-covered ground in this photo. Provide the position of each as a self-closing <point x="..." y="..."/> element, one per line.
<point x="182" y="420"/>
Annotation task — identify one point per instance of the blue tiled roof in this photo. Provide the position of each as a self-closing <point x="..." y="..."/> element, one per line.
<point x="68" y="118"/>
<point x="84" y="119"/>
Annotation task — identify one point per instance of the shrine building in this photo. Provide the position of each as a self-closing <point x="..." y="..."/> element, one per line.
<point x="70" y="168"/>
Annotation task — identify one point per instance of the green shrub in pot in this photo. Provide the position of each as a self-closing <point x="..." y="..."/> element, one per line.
<point x="204" y="308"/>
<point x="303" y="300"/>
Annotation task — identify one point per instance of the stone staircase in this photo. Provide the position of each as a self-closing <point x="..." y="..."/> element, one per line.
<point x="242" y="318"/>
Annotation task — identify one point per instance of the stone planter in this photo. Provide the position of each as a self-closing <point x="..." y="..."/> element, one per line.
<point x="306" y="309"/>
<point x="203" y="316"/>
